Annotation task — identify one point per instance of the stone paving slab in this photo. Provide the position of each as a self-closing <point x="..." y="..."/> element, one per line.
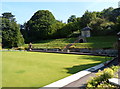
<point x="115" y="81"/>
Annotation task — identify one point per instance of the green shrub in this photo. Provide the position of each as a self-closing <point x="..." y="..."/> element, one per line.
<point x="115" y="68"/>
<point x="102" y="76"/>
<point x="106" y="85"/>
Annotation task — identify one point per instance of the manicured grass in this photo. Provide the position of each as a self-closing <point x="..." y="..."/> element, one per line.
<point x="92" y="42"/>
<point x="36" y="69"/>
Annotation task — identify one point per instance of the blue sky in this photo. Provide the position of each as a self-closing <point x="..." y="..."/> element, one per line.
<point x="61" y="10"/>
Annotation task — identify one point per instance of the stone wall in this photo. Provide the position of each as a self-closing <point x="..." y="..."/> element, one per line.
<point x="109" y="52"/>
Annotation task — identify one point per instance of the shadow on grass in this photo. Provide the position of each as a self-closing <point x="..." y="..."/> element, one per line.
<point x="96" y="58"/>
<point x="79" y="68"/>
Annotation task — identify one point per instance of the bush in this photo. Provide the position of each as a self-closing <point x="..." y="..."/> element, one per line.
<point x="106" y="85"/>
<point x="101" y="79"/>
<point x="115" y="68"/>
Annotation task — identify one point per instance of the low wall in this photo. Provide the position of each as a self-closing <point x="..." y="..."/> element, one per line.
<point x="105" y="52"/>
<point x="95" y="51"/>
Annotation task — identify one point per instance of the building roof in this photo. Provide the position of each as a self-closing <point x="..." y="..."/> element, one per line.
<point x="86" y="29"/>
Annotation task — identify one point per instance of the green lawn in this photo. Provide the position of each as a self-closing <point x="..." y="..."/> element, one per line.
<point x="92" y="42"/>
<point x="36" y="69"/>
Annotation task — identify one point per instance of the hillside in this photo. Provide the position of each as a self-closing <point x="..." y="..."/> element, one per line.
<point x="92" y="42"/>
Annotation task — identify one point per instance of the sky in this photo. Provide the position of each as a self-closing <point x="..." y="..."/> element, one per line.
<point x="61" y="10"/>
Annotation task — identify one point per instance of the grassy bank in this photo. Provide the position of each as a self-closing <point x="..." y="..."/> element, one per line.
<point x="92" y="42"/>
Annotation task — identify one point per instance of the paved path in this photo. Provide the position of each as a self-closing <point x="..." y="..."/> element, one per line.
<point x="82" y="81"/>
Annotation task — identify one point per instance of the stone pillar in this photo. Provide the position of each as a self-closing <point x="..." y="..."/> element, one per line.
<point x="118" y="34"/>
<point x="68" y="51"/>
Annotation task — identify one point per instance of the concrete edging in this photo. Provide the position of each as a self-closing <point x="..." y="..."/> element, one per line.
<point x="74" y="77"/>
<point x="114" y="81"/>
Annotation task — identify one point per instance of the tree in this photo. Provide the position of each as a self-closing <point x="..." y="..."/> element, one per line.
<point x="114" y="14"/>
<point x="87" y="18"/>
<point x="11" y="35"/>
<point x="101" y="27"/>
<point x="24" y="32"/>
<point x="39" y="27"/>
<point x="9" y="16"/>
<point x="117" y="25"/>
<point x="72" y="18"/>
<point x="57" y="31"/>
<point x="107" y="12"/>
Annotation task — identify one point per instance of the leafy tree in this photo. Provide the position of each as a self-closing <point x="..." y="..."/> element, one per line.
<point x="87" y="18"/>
<point x="101" y="27"/>
<point x="107" y="12"/>
<point x="114" y="14"/>
<point x="69" y="29"/>
<point x="24" y="32"/>
<point x="58" y="29"/>
<point x="39" y="27"/>
<point x="117" y="25"/>
<point x="72" y="19"/>
<point x="11" y="35"/>
<point x="9" y="16"/>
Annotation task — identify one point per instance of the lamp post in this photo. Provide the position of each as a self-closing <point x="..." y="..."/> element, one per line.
<point x="118" y="34"/>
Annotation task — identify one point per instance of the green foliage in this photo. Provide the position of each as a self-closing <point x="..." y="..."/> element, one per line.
<point x="43" y="25"/>
<point x="106" y="74"/>
<point x="106" y="85"/>
<point x="72" y="19"/>
<point x="107" y="13"/>
<point x="115" y="68"/>
<point x="101" y="79"/>
<point x="11" y="35"/>
<point x="8" y="16"/>
<point x="102" y="23"/>
<point x="40" y="26"/>
<point x="87" y="18"/>
<point x="114" y="14"/>
<point x="58" y="31"/>
<point x="102" y="27"/>
<point x="69" y="29"/>
<point x="117" y="26"/>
